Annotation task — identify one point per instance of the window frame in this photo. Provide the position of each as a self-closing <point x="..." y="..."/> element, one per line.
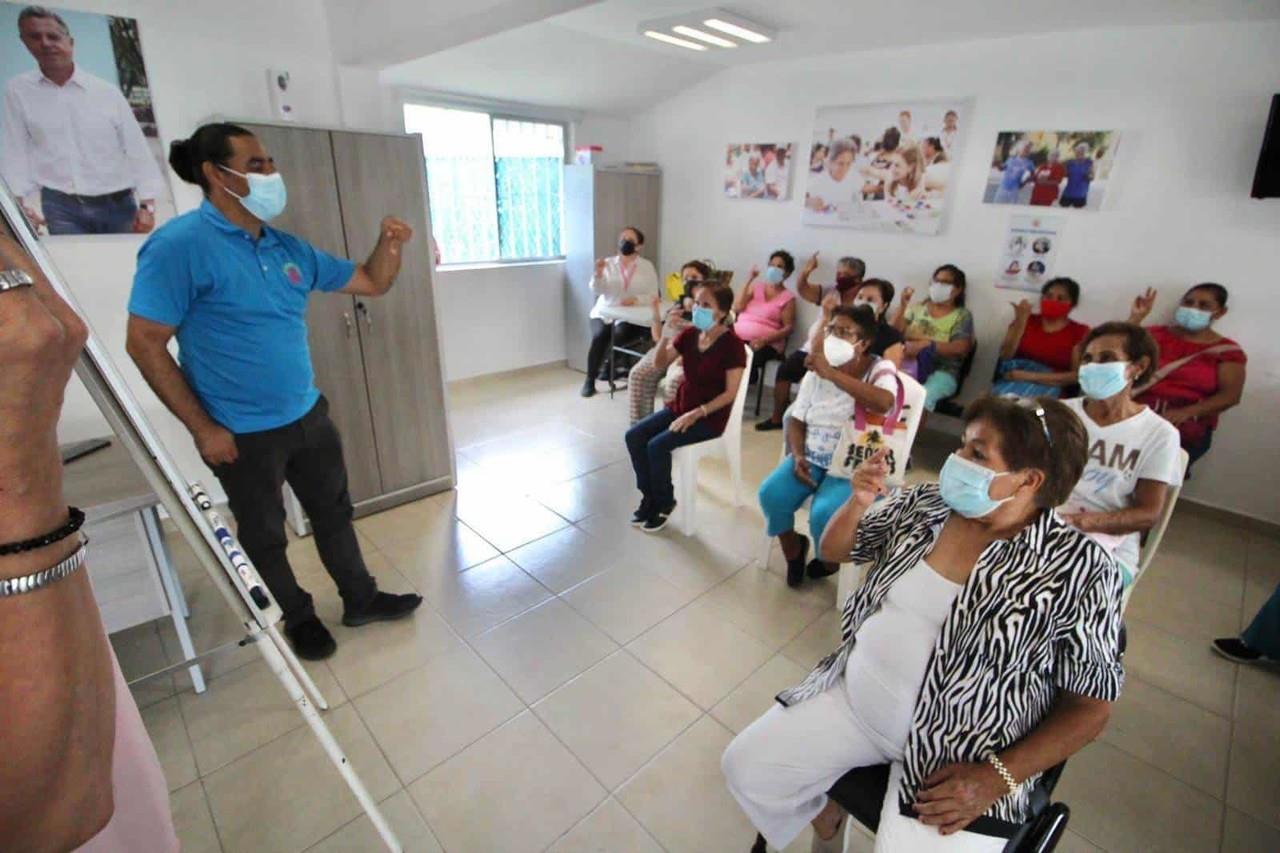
<point x="497" y="112"/>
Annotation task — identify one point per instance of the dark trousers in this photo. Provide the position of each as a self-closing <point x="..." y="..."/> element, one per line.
<point x="79" y="214"/>
<point x="598" y="354"/>
<point x="307" y="454"/>
<point x="650" y="443"/>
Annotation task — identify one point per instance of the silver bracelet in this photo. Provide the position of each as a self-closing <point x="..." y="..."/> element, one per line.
<point x="995" y="762"/>
<point x="41" y="579"/>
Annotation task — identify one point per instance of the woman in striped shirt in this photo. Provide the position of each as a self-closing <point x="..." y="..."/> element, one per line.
<point x="982" y="649"/>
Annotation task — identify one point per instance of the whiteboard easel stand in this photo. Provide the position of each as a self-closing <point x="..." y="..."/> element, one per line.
<point x="239" y="584"/>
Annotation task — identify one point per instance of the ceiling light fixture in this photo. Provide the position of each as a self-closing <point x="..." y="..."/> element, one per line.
<point x="701" y="36"/>
<point x="736" y="31"/>
<point x="678" y="42"/>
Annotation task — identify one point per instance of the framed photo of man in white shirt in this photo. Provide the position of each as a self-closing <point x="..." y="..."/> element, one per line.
<point x="79" y="145"/>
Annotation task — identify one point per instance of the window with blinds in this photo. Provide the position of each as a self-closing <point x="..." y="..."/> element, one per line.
<point x="494" y="184"/>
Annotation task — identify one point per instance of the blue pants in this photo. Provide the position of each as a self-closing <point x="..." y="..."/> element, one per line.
<point x="781" y="494"/>
<point x="651" y="443"/>
<point x="106" y="214"/>
<point x="1263" y="633"/>
<point x="939" y="386"/>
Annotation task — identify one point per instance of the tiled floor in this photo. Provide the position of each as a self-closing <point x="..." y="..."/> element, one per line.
<point x="571" y="682"/>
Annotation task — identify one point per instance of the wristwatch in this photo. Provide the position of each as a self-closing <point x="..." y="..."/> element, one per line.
<point x="14" y="279"/>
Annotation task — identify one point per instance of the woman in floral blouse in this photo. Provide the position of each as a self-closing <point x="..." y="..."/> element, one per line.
<point x="982" y="649"/>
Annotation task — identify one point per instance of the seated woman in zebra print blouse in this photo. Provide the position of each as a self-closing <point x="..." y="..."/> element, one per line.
<point x="981" y="650"/>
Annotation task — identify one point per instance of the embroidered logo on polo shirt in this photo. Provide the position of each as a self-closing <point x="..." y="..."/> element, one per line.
<point x="293" y="272"/>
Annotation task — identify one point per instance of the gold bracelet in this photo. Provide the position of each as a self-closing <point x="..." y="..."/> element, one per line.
<point x="995" y="762"/>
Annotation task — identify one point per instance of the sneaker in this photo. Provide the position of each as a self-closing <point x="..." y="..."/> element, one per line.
<point x="767" y="426"/>
<point x="588" y="388"/>
<point x="311" y="640"/>
<point x="795" y="568"/>
<point x="641" y="515"/>
<point x="385" y="607"/>
<point x="1234" y="649"/>
<point x="658" y="519"/>
<point x="818" y="569"/>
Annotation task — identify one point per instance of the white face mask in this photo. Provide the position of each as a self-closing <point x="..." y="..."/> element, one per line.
<point x="838" y="351"/>
<point x="940" y="292"/>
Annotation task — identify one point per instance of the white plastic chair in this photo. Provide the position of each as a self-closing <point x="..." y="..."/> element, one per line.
<point x="1156" y="533"/>
<point x="684" y="461"/>
<point x="913" y="411"/>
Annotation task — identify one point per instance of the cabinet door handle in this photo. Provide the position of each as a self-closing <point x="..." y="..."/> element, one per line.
<point x="351" y="327"/>
<point x="364" y="312"/>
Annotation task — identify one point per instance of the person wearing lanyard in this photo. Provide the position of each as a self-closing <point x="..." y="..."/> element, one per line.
<point x="624" y="286"/>
<point x="234" y="291"/>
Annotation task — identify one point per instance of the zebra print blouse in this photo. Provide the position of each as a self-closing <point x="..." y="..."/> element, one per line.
<point x="1040" y="613"/>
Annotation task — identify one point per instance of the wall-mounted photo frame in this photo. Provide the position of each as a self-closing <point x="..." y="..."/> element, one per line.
<point x="79" y="146"/>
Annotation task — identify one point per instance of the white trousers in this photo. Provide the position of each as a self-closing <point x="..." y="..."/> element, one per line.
<point x="781" y="766"/>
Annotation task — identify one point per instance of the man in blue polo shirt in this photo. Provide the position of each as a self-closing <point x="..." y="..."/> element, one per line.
<point x="234" y="292"/>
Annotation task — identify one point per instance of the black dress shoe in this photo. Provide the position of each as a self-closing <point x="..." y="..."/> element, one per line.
<point x="767" y="426"/>
<point x="311" y="640"/>
<point x="385" y="607"/>
<point x="1234" y="649"/>
<point x="658" y="518"/>
<point x="795" y="568"/>
<point x="818" y="569"/>
<point x="642" y="513"/>
<point x="588" y="388"/>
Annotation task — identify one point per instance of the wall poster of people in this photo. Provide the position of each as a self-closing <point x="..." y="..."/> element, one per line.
<point x="1029" y="251"/>
<point x="758" y="170"/>
<point x="1052" y="168"/>
<point x="884" y="167"/>
<point x="79" y="146"/>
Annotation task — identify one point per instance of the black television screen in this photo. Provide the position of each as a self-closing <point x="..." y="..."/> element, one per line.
<point x="1266" y="181"/>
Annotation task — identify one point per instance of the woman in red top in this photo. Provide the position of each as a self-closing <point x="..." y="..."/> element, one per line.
<point x="1047" y="180"/>
<point x="1201" y="373"/>
<point x="1041" y="352"/>
<point x="714" y="360"/>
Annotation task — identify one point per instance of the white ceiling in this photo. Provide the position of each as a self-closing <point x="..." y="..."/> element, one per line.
<point x="593" y="59"/>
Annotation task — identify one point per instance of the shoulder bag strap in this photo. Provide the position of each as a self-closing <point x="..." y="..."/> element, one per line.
<point x="1172" y="366"/>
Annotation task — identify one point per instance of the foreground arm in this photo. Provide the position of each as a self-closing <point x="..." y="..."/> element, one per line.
<point x="953" y="796"/>
<point x="732" y="379"/>
<point x="1231" y="376"/>
<point x="57" y="697"/>
<point x="147" y="343"/>
<point x="376" y="275"/>
<point x="1148" y="501"/>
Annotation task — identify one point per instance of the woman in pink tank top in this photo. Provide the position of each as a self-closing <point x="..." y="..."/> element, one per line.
<point x="766" y="309"/>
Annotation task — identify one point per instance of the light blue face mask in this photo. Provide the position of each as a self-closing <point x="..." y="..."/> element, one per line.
<point x="267" y="194"/>
<point x="1192" y="319"/>
<point x="774" y="275"/>
<point x="703" y="318"/>
<point x="966" y="487"/>
<point x="1101" y="381"/>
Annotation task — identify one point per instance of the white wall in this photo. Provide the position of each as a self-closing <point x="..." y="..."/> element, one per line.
<point x="1192" y="102"/>
<point x="501" y="318"/>
<point x="202" y="60"/>
<point x="611" y="133"/>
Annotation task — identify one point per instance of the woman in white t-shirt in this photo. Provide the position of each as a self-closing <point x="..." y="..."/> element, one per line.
<point x="844" y="373"/>
<point x="1133" y="452"/>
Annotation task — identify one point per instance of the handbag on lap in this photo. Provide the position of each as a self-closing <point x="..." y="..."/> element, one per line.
<point x="866" y="432"/>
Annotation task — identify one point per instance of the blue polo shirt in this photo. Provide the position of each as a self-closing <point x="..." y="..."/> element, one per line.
<point x="239" y="306"/>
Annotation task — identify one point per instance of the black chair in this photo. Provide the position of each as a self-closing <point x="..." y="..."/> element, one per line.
<point x="758" y="366"/>
<point x="632" y="348"/>
<point x="947" y="405"/>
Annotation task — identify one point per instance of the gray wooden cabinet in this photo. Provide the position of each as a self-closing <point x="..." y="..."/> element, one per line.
<point x="377" y="360"/>
<point x="599" y="201"/>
